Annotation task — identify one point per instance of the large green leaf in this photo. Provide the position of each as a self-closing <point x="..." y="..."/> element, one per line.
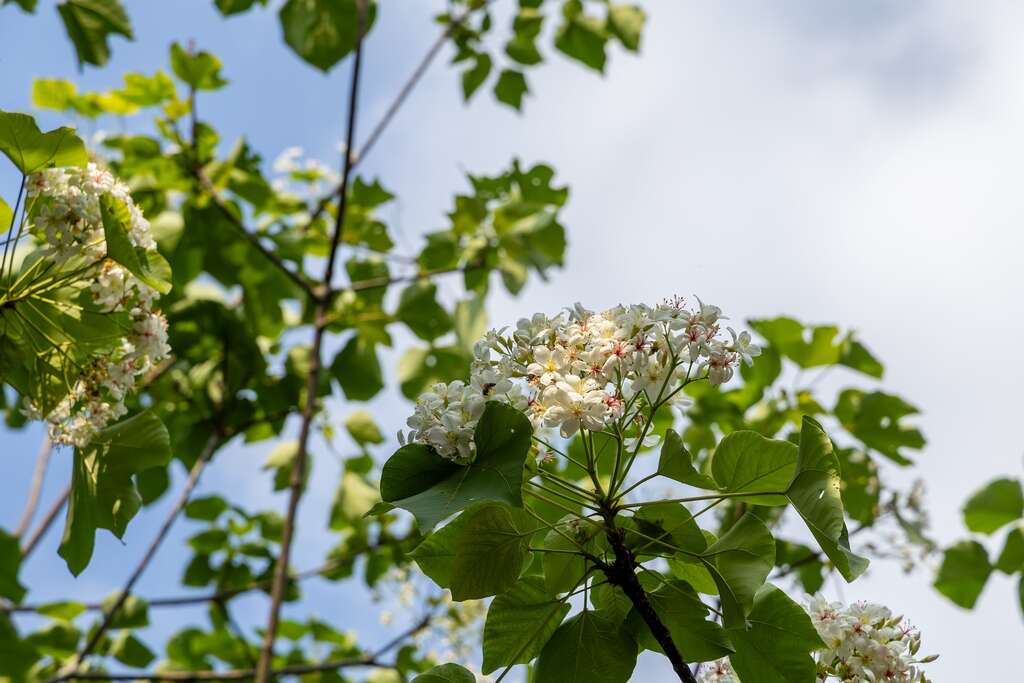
<point x="964" y="572"/>
<point x="435" y="555"/>
<point x="103" y="493"/>
<point x="999" y="503"/>
<point x="776" y="643"/>
<point x="679" y="608"/>
<point x="419" y="310"/>
<point x="815" y="492"/>
<point x="323" y="32"/>
<point x="446" y="673"/>
<point x="31" y="150"/>
<point x="747" y="461"/>
<point x="89" y="23"/>
<point x="10" y="563"/>
<point x="519" y="623"/>
<point x="149" y="267"/>
<point x="588" y="648"/>
<point x="563" y="568"/>
<point x="417" y="479"/>
<point x="675" y="462"/>
<point x="739" y="563"/>
<point x="490" y="553"/>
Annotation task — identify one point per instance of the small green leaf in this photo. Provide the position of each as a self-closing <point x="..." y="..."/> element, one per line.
<point x="53" y="93"/>
<point x="776" y="642"/>
<point x="357" y="369"/>
<point x="588" y="648"/>
<point x="417" y="479"/>
<point x="627" y="23"/>
<point x="856" y="356"/>
<point x="230" y="7"/>
<point x="131" y="651"/>
<point x="134" y="612"/>
<point x="446" y="673"/>
<point x="200" y="70"/>
<point x="519" y="623"/>
<point x="511" y="87"/>
<point x="206" y="509"/>
<point x="490" y="553"/>
<point x="32" y="150"/>
<point x="964" y="572"/>
<point x="675" y="462"/>
<point x="89" y="23"/>
<point x="999" y="503"/>
<point x="419" y="310"/>
<point x="583" y="39"/>
<point x="1011" y="560"/>
<point x="747" y="461"/>
<point x="815" y="492"/>
<point x="363" y="428"/>
<point x="65" y="611"/>
<point x="10" y="563"/>
<point x="149" y="267"/>
<point x="474" y="77"/>
<point x="739" y="562"/>
<point x="354" y="499"/>
<point x="323" y="32"/>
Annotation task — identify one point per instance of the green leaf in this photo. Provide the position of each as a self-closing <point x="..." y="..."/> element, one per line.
<point x="856" y="356"/>
<point x="815" y="493"/>
<point x="563" y="569"/>
<point x="134" y="612"/>
<point x="206" y="509"/>
<point x="807" y="347"/>
<point x="323" y="32"/>
<point x="32" y="150"/>
<point x="510" y="88"/>
<point x="876" y="419"/>
<point x="53" y="93"/>
<point x="419" y="310"/>
<point x="739" y="562"/>
<point x="363" y="428"/>
<point x="747" y="461"/>
<point x="519" y="623"/>
<point x="16" y="655"/>
<point x="419" y="368"/>
<point x="776" y="643"/>
<point x="103" y="493"/>
<point x="357" y="369"/>
<point x="89" y="23"/>
<point x="131" y="651"/>
<point x="675" y="462"/>
<point x="490" y="553"/>
<point x="354" y="499"/>
<point x="230" y="7"/>
<point x="470" y="321"/>
<point x="6" y="214"/>
<point x="435" y="555"/>
<point x="664" y="528"/>
<point x="583" y="39"/>
<point x="65" y="610"/>
<point x="446" y="673"/>
<point x="417" y="479"/>
<point x="10" y="563"/>
<point x="999" y="503"/>
<point x="964" y="572"/>
<point x="149" y="267"/>
<point x="627" y="23"/>
<point x="679" y="608"/>
<point x="200" y="70"/>
<point x="1011" y="560"/>
<point x="589" y="648"/>
<point x="474" y="77"/>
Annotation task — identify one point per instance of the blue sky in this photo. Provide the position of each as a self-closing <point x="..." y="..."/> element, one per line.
<point x="840" y="162"/>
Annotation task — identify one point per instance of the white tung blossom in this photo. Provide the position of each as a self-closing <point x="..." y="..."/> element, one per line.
<point x="68" y="222"/>
<point x="581" y="370"/>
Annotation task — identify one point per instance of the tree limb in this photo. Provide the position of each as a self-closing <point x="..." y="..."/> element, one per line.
<point x="38" y="475"/>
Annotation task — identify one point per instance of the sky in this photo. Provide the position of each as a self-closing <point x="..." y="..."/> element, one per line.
<point x="854" y="163"/>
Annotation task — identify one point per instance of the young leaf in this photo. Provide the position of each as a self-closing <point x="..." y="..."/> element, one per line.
<point x="417" y="479"/>
<point x="775" y="644"/>
<point x="739" y="563"/>
<point x="747" y="461"/>
<point x="89" y="23"/>
<point x="103" y="493"/>
<point x="679" y="608"/>
<point x="474" y="77"/>
<point x="589" y="648"/>
<point x="149" y="266"/>
<point x="446" y="673"/>
<point x="675" y="462"/>
<point x="999" y="503"/>
<point x="510" y="88"/>
<point x="490" y="553"/>
<point x="627" y="23"/>
<point x="964" y="572"/>
<point x="519" y="623"/>
<point x="32" y="150"/>
<point x="200" y="70"/>
<point x="1011" y="559"/>
<point x="815" y="493"/>
<point x="323" y="32"/>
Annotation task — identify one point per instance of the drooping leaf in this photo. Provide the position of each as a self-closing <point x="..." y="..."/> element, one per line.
<point x="627" y="23"/>
<point x="519" y="623"/>
<point x="148" y="266"/>
<point x="964" y="572"/>
<point x="323" y="32"/>
<point x="776" y="642"/>
<point x="739" y="562"/>
<point x="103" y="493"/>
<point x="1011" y="559"/>
<point x="89" y="23"/>
<point x="747" y="461"/>
<point x="417" y="479"/>
<point x="999" y="503"/>
<point x="679" y="608"/>
<point x="675" y="462"/>
<point x="815" y="493"/>
<point x="31" y="150"/>
<point x="588" y="648"/>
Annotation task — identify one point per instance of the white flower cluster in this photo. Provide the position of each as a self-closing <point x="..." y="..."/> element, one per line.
<point x="717" y="672"/>
<point x="67" y="219"/>
<point x="581" y="369"/>
<point x="865" y="642"/>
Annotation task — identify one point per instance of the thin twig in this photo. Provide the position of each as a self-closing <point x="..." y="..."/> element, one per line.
<point x="45" y="525"/>
<point x="320" y="321"/>
<point x="38" y="475"/>
<point x="71" y="669"/>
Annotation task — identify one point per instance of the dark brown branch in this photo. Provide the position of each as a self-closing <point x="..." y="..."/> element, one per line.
<point x="396" y="104"/>
<point x="38" y="475"/>
<point x="622" y="573"/>
<point x="45" y="525"/>
<point x="320" y="322"/>
<point x="70" y="671"/>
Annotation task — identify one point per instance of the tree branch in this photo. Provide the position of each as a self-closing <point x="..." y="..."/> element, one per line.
<point x="320" y="321"/>
<point x="38" y="475"/>
<point x="71" y="669"/>
<point x="45" y="525"/>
